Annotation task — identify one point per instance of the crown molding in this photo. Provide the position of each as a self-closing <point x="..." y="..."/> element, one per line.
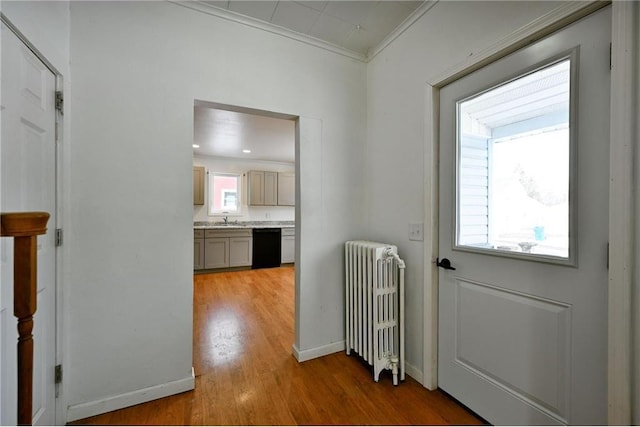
<point x="408" y="22"/>
<point x="268" y="27"/>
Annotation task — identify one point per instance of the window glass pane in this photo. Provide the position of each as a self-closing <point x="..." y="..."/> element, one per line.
<point x="230" y="199"/>
<point x="514" y="166"/>
<point x="224" y="193"/>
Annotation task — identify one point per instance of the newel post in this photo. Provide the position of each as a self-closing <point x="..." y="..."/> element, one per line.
<point x="24" y="227"/>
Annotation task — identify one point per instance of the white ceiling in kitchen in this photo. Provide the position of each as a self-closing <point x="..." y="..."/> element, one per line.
<point x="356" y="26"/>
<point x="225" y="133"/>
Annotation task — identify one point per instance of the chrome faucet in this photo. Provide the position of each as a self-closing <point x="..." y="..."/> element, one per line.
<point x="226" y="219"/>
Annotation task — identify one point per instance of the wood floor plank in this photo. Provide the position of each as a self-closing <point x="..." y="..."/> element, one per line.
<point x="246" y="375"/>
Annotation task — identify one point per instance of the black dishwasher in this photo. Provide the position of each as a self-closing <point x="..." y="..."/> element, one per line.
<point x="266" y="247"/>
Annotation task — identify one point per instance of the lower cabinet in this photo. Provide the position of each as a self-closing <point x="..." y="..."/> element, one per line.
<point x="215" y="248"/>
<point x="198" y="249"/>
<point x="225" y="248"/>
<point x="288" y="246"/>
<point x="240" y="251"/>
<point x="216" y="252"/>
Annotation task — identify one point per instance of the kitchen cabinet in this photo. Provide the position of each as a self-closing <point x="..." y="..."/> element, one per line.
<point x="262" y="188"/>
<point x="270" y="188"/>
<point x="198" y="249"/>
<point x="198" y="185"/>
<point x="216" y="252"/>
<point x="227" y="248"/>
<point x="255" y="188"/>
<point x="288" y="246"/>
<point x="286" y="189"/>
<point x="240" y="251"/>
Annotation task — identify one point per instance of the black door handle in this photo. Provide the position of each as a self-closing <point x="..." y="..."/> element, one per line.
<point x="445" y="263"/>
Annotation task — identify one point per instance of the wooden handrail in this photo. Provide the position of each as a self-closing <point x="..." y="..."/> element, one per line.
<point x="24" y="227"/>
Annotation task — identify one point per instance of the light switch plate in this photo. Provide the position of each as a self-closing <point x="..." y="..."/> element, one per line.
<point x="415" y="231"/>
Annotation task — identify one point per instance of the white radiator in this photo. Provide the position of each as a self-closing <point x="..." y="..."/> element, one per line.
<point x="375" y="305"/>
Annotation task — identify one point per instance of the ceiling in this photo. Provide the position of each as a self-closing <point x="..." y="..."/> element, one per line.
<point x="224" y="133"/>
<point x="357" y="26"/>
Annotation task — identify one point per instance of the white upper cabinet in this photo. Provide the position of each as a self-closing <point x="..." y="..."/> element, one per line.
<point x="198" y="185"/>
<point x="255" y="188"/>
<point x="263" y="188"/>
<point x="271" y="188"/>
<point x="286" y="189"/>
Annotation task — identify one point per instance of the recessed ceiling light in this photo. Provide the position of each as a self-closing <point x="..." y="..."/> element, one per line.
<point x="246" y="151"/>
<point x="196" y="146"/>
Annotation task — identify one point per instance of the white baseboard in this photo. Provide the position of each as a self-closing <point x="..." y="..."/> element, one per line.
<point x="414" y="373"/>
<point x="90" y="409"/>
<point x="313" y="353"/>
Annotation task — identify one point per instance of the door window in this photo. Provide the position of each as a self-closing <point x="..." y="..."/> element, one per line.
<point x="514" y="171"/>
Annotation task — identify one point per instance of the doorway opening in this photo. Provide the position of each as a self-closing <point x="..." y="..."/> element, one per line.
<point x="244" y="164"/>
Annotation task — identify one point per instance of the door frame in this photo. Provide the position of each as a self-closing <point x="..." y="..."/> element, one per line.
<point x="59" y="404"/>
<point x="621" y="202"/>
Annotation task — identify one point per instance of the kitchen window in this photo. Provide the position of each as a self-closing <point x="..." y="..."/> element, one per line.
<point x="224" y="193"/>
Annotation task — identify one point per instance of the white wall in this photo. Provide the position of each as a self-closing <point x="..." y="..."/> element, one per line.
<point x="395" y="166"/>
<point x="242" y="166"/>
<point x="138" y="67"/>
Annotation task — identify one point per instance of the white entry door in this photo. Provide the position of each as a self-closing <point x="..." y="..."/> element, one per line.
<point x="524" y="167"/>
<point x="28" y="183"/>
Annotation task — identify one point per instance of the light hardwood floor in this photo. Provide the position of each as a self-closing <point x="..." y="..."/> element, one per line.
<point x="246" y="374"/>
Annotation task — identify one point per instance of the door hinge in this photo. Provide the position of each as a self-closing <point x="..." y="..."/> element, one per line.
<point x="58" y="236"/>
<point x="59" y="102"/>
<point x="610" y="56"/>
<point x="58" y="374"/>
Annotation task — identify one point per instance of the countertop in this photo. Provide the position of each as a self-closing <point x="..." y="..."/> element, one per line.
<point x="219" y="225"/>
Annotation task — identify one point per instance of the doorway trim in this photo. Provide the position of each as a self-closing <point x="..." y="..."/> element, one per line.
<point x="621" y="228"/>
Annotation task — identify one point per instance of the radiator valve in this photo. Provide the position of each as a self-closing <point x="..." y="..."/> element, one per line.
<point x="393" y="362"/>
